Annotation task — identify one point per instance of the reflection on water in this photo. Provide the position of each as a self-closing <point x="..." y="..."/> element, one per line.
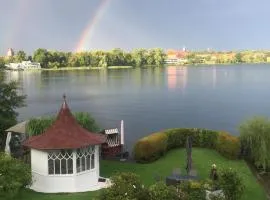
<point x="214" y="72"/>
<point x="177" y="77"/>
<point x="148" y="99"/>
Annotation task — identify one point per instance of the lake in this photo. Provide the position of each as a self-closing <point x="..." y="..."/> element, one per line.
<point x="152" y="99"/>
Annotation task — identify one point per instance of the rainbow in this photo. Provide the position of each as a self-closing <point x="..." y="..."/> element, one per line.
<point x="88" y="32"/>
<point x="22" y="9"/>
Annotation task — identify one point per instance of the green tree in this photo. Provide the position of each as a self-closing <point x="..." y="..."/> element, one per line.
<point x="238" y="58"/>
<point x="150" y="57"/>
<point x="208" y="58"/>
<point x="191" y="56"/>
<point x="41" y="56"/>
<point x="73" y="61"/>
<point x="29" y="58"/>
<point x="159" y="57"/>
<point x="103" y="61"/>
<point x="139" y="57"/>
<point x="128" y="59"/>
<point x="255" y="140"/>
<point x="2" y="63"/>
<point x="117" y="56"/>
<point x="20" y="56"/>
<point x="14" y="175"/>
<point x="10" y="100"/>
<point x="86" y="121"/>
<point x="38" y="126"/>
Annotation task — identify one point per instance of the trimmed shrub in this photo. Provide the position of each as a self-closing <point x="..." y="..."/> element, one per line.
<point x="208" y="138"/>
<point x="150" y="148"/>
<point x="201" y="137"/>
<point x="177" y="137"/>
<point x="228" y="145"/>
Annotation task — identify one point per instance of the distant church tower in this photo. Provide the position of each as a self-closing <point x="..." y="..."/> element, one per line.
<point x="184" y="49"/>
<point x="10" y="52"/>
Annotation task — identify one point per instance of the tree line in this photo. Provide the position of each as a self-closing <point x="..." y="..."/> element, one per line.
<point x="228" y="57"/>
<point x="98" y="58"/>
<point x="136" y="58"/>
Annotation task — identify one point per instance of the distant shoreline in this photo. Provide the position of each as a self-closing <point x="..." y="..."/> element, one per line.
<point x="73" y="68"/>
<point x="130" y="67"/>
<point x="215" y="64"/>
<point x="85" y="68"/>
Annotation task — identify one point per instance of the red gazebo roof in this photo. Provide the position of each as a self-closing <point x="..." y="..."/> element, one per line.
<point x="65" y="133"/>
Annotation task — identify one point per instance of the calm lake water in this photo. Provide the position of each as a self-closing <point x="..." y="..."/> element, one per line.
<point x="152" y="99"/>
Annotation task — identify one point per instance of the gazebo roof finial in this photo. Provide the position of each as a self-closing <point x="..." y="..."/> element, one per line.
<point x="65" y="103"/>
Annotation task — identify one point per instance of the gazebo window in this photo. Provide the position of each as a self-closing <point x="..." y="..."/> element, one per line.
<point x="60" y="162"/>
<point x="85" y="159"/>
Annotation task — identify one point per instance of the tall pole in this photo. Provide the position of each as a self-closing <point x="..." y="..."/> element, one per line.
<point x="122" y="141"/>
<point x="122" y="132"/>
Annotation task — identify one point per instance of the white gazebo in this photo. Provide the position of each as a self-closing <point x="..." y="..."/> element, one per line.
<point x="65" y="158"/>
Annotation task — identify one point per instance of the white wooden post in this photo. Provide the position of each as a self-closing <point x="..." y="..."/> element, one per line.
<point x="74" y="159"/>
<point x="122" y="132"/>
<point x="122" y="141"/>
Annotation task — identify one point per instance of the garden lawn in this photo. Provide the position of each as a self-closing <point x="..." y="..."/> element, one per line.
<point x="202" y="160"/>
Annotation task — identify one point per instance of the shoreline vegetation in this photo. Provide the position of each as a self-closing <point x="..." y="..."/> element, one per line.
<point x="131" y="67"/>
<point x="120" y="59"/>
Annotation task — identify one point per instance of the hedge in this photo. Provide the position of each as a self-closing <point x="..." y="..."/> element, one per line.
<point x="151" y="147"/>
<point x="201" y="137"/>
<point x="228" y="145"/>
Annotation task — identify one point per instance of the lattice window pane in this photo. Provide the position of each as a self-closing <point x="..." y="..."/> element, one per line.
<point x="78" y="164"/>
<point x="60" y="162"/>
<point x="83" y="163"/>
<point x="57" y="166"/>
<point x="88" y="162"/>
<point x="63" y="166"/>
<point x="84" y="158"/>
<point x="51" y="166"/>
<point x="70" y="166"/>
<point x="92" y="161"/>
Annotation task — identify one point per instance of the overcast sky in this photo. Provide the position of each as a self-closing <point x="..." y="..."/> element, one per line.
<point x="127" y="24"/>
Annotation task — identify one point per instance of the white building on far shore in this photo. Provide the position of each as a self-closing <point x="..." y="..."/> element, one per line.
<point x="23" y="65"/>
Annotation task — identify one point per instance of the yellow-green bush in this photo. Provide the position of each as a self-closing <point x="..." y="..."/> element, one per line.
<point x="150" y="148"/>
<point x="228" y="145"/>
<point x="155" y="145"/>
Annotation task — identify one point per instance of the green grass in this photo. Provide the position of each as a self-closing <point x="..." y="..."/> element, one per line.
<point x="202" y="158"/>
